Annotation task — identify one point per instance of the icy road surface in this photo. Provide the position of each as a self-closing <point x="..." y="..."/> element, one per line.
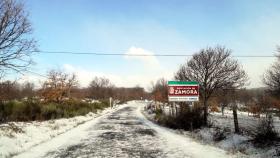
<point x="123" y="133"/>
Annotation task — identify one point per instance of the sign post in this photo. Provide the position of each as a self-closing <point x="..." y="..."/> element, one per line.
<point x="110" y="100"/>
<point x="183" y="91"/>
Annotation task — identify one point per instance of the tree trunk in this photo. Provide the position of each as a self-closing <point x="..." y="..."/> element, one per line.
<point x="205" y="111"/>
<point x="223" y="110"/>
<point x="235" y="118"/>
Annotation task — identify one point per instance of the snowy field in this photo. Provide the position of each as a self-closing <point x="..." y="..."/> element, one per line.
<point x="17" y="137"/>
<point x="245" y="121"/>
<point x="233" y="143"/>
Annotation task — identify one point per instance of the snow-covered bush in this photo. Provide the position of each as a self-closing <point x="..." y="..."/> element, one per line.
<point x="265" y="132"/>
<point x="220" y="133"/>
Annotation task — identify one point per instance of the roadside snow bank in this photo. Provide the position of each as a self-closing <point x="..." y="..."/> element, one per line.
<point x="222" y="135"/>
<point x="17" y="137"/>
<point x="183" y="143"/>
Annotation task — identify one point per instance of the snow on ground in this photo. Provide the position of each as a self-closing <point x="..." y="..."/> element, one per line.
<point x="245" y="121"/>
<point x="186" y="144"/>
<point x="17" y="137"/>
<point x="233" y="143"/>
<point x="248" y="125"/>
<point x="124" y="133"/>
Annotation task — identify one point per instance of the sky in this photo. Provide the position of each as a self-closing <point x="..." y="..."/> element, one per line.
<point x="248" y="27"/>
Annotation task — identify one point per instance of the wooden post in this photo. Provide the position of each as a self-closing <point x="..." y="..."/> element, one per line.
<point x="169" y="107"/>
<point x="176" y="110"/>
<point x="191" y="107"/>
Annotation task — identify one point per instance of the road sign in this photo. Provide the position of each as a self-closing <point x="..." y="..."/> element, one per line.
<point x="180" y="91"/>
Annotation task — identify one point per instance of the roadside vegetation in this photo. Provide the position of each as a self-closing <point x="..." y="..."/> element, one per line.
<point x="31" y="110"/>
<point x="222" y="90"/>
<point x="60" y="97"/>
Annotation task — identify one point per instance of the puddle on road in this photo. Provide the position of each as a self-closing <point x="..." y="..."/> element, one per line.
<point x="149" y="132"/>
<point x="130" y="123"/>
<point x="106" y="127"/>
<point x="113" y="135"/>
<point x="139" y="152"/>
<point x="68" y="152"/>
<point x="113" y="117"/>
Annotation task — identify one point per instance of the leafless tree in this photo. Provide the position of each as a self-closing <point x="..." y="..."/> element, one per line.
<point x="214" y="69"/>
<point x="28" y="90"/>
<point x="58" y="85"/>
<point x="126" y="94"/>
<point x="101" y="88"/>
<point x="9" y="90"/>
<point x="223" y="98"/>
<point x="160" y="90"/>
<point x="16" y="45"/>
<point x="272" y="77"/>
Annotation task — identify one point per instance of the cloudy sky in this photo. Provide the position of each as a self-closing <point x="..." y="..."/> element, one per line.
<point x="248" y="27"/>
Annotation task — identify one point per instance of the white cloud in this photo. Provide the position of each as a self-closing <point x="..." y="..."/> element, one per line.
<point x="85" y="76"/>
<point x="128" y="80"/>
<point x="37" y="80"/>
<point x="148" y="60"/>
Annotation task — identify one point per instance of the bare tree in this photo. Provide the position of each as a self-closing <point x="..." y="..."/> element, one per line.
<point x="9" y="90"/>
<point x="16" y="44"/>
<point x="223" y="99"/>
<point x="214" y="69"/>
<point x="126" y="94"/>
<point x="58" y="85"/>
<point x="160" y="90"/>
<point x="71" y="82"/>
<point x="28" y="90"/>
<point x="272" y="77"/>
<point x="101" y="88"/>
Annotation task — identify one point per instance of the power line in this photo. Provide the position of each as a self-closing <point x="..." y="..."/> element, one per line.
<point x="110" y="54"/>
<point x="144" y="55"/>
<point x="37" y="74"/>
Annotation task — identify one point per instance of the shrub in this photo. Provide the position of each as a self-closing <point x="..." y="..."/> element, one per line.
<point x="49" y="111"/>
<point x="265" y="133"/>
<point x="186" y="119"/>
<point x="19" y="111"/>
<point x="158" y="113"/>
<point x="6" y="110"/>
<point x="35" y="110"/>
<point x="220" y="133"/>
<point x="214" y="108"/>
<point x="32" y="110"/>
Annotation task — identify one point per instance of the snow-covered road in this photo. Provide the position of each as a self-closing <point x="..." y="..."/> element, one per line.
<point x="123" y="133"/>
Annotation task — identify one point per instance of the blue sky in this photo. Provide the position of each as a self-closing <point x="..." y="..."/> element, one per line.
<point x="248" y="27"/>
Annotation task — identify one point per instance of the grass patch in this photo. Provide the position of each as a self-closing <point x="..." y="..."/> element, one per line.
<point x="35" y="110"/>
